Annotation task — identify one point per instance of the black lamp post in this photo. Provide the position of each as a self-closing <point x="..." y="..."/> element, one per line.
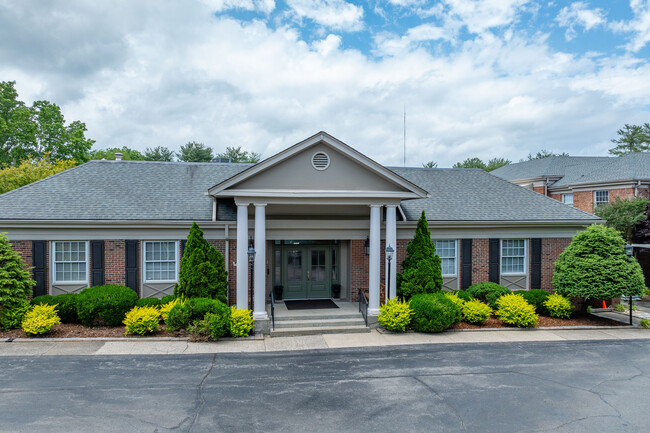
<point x="366" y="246"/>
<point x="251" y="260"/>
<point x="629" y="250"/>
<point x="389" y="256"/>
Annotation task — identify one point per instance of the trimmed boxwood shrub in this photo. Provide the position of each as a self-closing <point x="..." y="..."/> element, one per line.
<point x="476" y="312"/>
<point x="536" y="298"/>
<point x="433" y="312"/>
<point x="105" y="305"/>
<point x="148" y="302"/>
<point x="455" y="299"/>
<point x="514" y="310"/>
<point x="183" y="315"/>
<point x="241" y="322"/>
<point x="40" y="319"/>
<point x="395" y="315"/>
<point x="167" y="299"/>
<point x="558" y="306"/>
<point x="462" y="294"/>
<point x="488" y="292"/>
<point x="142" y="320"/>
<point x="66" y="305"/>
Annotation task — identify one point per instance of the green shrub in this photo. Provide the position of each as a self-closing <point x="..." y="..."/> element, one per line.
<point x="644" y="323"/>
<point x="395" y="315"/>
<point x="182" y="315"/>
<point x="166" y="308"/>
<point x="595" y="266"/>
<point x="620" y="308"/>
<point x="536" y="298"/>
<point x="462" y="294"/>
<point x="40" y="319"/>
<point x="433" y="312"/>
<point x="421" y="269"/>
<point x="241" y="322"/>
<point x="167" y="299"/>
<point x="148" y="302"/>
<point x="105" y="305"/>
<point x="453" y="297"/>
<point x="558" y="306"/>
<point x="212" y="326"/>
<point x="488" y="292"/>
<point x="15" y="282"/>
<point x="476" y="312"/>
<point x="514" y="310"/>
<point x="66" y="305"/>
<point x="142" y="320"/>
<point x="12" y="317"/>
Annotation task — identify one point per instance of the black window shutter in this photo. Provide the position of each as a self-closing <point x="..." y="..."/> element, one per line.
<point x="536" y="263"/>
<point x="97" y="263"/>
<point x="495" y="245"/>
<point x="465" y="263"/>
<point x="183" y="242"/>
<point x="131" y="265"/>
<point x="39" y="249"/>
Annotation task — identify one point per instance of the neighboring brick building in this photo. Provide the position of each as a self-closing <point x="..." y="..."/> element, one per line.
<point x="318" y="213"/>
<point x="583" y="182"/>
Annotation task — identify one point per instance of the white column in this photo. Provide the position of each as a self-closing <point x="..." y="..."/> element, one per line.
<point x="259" y="304"/>
<point x="374" y="261"/>
<point x="242" y="256"/>
<point x="391" y="239"/>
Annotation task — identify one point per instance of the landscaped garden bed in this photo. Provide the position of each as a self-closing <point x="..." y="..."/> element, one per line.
<point x="577" y="319"/>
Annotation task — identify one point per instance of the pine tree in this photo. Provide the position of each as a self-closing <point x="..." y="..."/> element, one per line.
<point x="421" y="270"/>
<point x="203" y="272"/>
<point x="15" y="282"/>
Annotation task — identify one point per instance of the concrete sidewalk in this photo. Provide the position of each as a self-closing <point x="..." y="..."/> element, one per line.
<point x="151" y="346"/>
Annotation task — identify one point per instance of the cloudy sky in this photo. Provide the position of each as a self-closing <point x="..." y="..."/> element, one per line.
<point x="487" y="78"/>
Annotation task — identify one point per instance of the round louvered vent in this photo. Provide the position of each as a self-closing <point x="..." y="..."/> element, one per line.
<point x="320" y="161"/>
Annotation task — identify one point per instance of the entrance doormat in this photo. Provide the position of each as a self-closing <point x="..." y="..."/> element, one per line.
<point x="310" y="304"/>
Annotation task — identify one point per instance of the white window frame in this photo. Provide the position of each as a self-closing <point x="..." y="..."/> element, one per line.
<point x="596" y="203"/>
<point x="569" y="194"/>
<point x="54" y="262"/>
<point x="455" y="256"/>
<point x="525" y="272"/>
<point x="144" y="261"/>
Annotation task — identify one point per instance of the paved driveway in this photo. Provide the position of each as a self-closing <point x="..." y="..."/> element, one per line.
<point x="498" y="387"/>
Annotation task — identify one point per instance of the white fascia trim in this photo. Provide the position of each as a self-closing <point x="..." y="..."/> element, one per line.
<point x="498" y="224"/>
<point x="110" y="223"/>
<point x="331" y="141"/>
<point x="302" y="193"/>
<point x="588" y="186"/>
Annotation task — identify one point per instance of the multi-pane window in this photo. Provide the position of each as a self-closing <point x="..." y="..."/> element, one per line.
<point x="70" y="261"/>
<point x="513" y="256"/>
<point x="446" y="250"/>
<point x="160" y="260"/>
<point x="567" y="199"/>
<point x="601" y="197"/>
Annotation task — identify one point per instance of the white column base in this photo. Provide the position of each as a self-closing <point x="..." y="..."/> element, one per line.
<point x="260" y="315"/>
<point x="373" y="311"/>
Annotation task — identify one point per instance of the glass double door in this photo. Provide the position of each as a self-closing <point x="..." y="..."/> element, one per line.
<point x="307" y="272"/>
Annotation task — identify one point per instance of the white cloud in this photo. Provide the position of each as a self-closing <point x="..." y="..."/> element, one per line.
<point x="639" y="26"/>
<point x="265" y="6"/>
<point x="578" y="14"/>
<point x="334" y="14"/>
<point x="329" y="44"/>
<point x="390" y="44"/>
<point x="480" y="15"/>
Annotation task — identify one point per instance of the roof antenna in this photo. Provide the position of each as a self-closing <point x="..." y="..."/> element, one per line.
<point x="404" y="135"/>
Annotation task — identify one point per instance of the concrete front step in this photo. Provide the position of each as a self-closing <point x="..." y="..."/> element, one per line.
<point x="307" y="316"/>
<point x="319" y="323"/>
<point x="292" y="332"/>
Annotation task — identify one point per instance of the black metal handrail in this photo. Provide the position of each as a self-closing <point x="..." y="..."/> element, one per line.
<point x="363" y="301"/>
<point x="272" y="309"/>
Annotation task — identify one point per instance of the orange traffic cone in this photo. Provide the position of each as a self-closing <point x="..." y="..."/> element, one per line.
<point x="604" y="304"/>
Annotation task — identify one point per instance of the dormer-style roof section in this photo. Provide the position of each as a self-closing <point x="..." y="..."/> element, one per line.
<point x="318" y="167"/>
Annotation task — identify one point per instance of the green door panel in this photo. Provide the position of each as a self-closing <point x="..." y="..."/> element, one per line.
<point x="318" y="274"/>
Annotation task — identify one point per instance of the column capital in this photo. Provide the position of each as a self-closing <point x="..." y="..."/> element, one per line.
<point x="242" y="203"/>
<point x="391" y="206"/>
<point x="259" y="204"/>
<point x="375" y="205"/>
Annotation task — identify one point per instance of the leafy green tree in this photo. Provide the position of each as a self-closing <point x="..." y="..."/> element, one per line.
<point x="631" y="138"/>
<point x="544" y="154"/>
<point x="595" y="266"/>
<point x="37" y="131"/>
<point x="15" y="282"/>
<point x="495" y="163"/>
<point x="195" y="152"/>
<point x="109" y="154"/>
<point x="236" y="154"/>
<point x="624" y="214"/>
<point x="421" y="269"/>
<point x="31" y="171"/>
<point x="159" y="153"/>
<point x="203" y="272"/>
<point x="430" y="164"/>
<point x="475" y="162"/>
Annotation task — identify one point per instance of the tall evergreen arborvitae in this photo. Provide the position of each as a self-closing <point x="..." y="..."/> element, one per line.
<point x="421" y="269"/>
<point x="15" y="282"/>
<point x="203" y="273"/>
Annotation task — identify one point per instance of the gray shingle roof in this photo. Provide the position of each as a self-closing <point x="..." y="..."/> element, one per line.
<point x="459" y="194"/>
<point x="580" y="169"/>
<point x="135" y="190"/>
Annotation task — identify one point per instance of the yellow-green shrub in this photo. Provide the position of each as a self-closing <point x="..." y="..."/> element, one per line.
<point x="142" y="320"/>
<point x="514" y="310"/>
<point x="241" y="322"/>
<point x="40" y="319"/>
<point x="455" y="299"/>
<point x="165" y="308"/>
<point x="558" y="306"/>
<point x="476" y="312"/>
<point x="395" y="315"/>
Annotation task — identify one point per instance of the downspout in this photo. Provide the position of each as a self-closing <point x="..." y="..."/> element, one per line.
<point x="225" y="233"/>
<point x="636" y="188"/>
<point x="546" y="187"/>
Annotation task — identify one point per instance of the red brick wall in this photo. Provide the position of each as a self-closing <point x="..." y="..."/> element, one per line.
<point x="621" y="193"/>
<point x="114" y="262"/>
<point x="584" y="200"/>
<point x="551" y="249"/>
<point x="539" y="189"/>
<point x="480" y="260"/>
<point x="557" y="197"/>
<point x="24" y="248"/>
<point x="358" y="268"/>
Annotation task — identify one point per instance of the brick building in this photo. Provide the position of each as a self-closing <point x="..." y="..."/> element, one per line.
<point x="318" y="214"/>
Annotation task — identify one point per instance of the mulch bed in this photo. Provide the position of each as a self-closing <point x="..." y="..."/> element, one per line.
<point x="75" y="330"/>
<point x="577" y="319"/>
